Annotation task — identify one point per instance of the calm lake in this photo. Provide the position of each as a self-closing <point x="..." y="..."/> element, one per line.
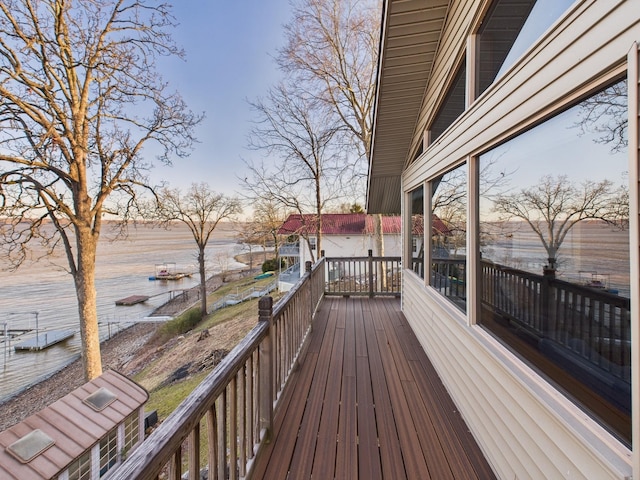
<point x="43" y="291"/>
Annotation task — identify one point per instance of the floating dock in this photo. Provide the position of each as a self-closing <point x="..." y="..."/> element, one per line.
<point x="132" y="300"/>
<point x="44" y="340"/>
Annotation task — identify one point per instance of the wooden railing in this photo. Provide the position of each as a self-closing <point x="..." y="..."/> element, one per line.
<point x="593" y="324"/>
<point x="449" y="277"/>
<point x="228" y="417"/>
<point x="363" y="275"/>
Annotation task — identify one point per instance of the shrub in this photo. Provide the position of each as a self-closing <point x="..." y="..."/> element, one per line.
<point x="179" y="325"/>
<point x="271" y="265"/>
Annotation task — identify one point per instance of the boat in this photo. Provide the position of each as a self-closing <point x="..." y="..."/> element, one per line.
<point x="167" y="271"/>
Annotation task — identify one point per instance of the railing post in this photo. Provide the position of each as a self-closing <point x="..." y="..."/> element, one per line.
<point x="312" y="293"/>
<point x="371" y="289"/>
<point x="265" y="314"/>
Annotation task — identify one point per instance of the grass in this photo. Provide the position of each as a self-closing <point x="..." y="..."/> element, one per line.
<point x="165" y="399"/>
<point x="191" y="318"/>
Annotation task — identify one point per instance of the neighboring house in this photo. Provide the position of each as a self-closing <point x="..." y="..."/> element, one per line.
<point x="492" y="114"/>
<point x="347" y="235"/>
<point x="343" y="235"/>
<point x="83" y="435"/>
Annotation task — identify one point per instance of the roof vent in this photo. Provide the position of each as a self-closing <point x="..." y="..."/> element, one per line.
<point x="100" y="399"/>
<point x="30" y="446"/>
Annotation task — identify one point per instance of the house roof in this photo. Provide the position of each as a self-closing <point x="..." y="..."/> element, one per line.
<point x="411" y="31"/>
<point x="351" y="224"/>
<point x="338" y="224"/>
<point x="73" y="426"/>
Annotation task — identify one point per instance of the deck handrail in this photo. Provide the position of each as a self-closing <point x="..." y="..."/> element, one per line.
<point x="592" y="324"/>
<point x="236" y="402"/>
<point x="363" y="275"/>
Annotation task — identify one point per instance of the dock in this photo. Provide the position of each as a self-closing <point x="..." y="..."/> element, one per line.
<point x="44" y="340"/>
<point x="132" y="300"/>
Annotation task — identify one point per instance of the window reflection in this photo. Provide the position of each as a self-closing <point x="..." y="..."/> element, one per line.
<point x="509" y="28"/>
<point x="452" y="106"/>
<point x="449" y="235"/>
<point x="417" y="231"/>
<point x="554" y="251"/>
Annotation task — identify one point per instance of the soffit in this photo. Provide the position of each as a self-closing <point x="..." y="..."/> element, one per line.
<point x="411" y="32"/>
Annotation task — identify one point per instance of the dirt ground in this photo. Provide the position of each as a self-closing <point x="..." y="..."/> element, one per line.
<point x="129" y="351"/>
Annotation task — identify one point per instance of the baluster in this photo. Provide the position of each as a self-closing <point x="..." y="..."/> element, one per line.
<point x="233" y="428"/>
<point x="194" y="453"/>
<point x="265" y="307"/>
<point x="175" y="464"/>
<point x="242" y="420"/>
<point x="221" y="414"/>
<point x="212" y="441"/>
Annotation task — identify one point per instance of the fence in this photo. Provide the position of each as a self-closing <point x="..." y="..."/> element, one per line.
<point x="363" y="275"/>
<point x="230" y="413"/>
<point x="592" y="324"/>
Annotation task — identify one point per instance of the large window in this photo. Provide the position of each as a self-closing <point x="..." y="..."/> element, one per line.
<point x="554" y="252"/>
<point x="449" y="235"/>
<point x="453" y="105"/>
<point x="508" y="29"/>
<point x="417" y="231"/>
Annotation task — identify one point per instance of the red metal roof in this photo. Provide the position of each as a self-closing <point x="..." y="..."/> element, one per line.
<point x="72" y="424"/>
<point x="352" y="224"/>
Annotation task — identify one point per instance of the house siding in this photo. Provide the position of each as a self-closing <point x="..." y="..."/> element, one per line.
<point x="526" y="428"/>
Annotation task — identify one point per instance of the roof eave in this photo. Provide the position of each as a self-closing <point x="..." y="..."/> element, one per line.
<point x="410" y="35"/>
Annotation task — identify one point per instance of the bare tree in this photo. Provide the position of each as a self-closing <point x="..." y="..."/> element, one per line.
<point x="201" y="210"/>
<point x="222" y="260"/>
<point x="299" y="131"/>
<point x="332" y="46"/>
<point x="268" y="216"/>
<point x="79" y="99"/>
<point x="555" y="205"/>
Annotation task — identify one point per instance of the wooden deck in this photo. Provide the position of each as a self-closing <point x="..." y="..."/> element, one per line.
<point x="366" y="403"/>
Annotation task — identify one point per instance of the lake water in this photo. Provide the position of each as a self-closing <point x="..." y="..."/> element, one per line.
<point x="591" y="250"/>
<point x="44" y="291"/>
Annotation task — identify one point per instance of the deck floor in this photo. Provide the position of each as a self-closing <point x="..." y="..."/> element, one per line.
<point x="366" y="403"/>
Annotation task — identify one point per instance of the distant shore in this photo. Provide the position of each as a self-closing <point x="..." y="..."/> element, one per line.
<point x="116" y="352"/>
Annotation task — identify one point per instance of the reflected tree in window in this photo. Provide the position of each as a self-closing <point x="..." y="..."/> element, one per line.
<point x="555" y="205"/>
<point x="605" y="114"/>
<point x="449" y="235"/>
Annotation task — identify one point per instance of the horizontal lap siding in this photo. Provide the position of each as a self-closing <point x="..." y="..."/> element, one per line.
<point x="556" y="69"/>
<point x="503" y="402"/>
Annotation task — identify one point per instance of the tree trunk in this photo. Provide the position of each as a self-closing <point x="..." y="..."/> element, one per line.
<point x="379" y="240"/>
<point x="203" y="282"/>
<point x="87" y="308"/>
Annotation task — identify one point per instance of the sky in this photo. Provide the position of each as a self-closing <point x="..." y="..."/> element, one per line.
<point x="229" y="60"/>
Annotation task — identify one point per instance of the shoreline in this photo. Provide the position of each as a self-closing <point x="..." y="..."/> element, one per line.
<point x="116" y="353"/>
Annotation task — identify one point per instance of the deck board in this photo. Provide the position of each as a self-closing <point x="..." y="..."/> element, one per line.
<point x="366" y="403"/>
